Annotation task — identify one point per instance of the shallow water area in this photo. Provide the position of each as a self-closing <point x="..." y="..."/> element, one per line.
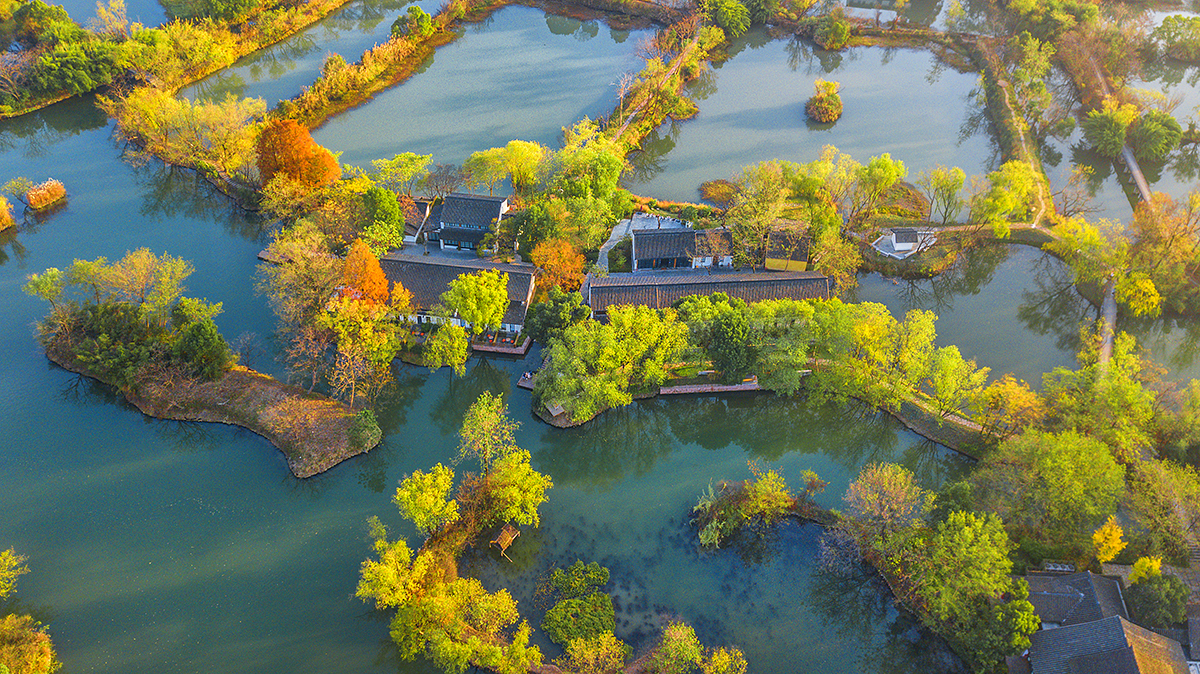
<point x="899" y="101"/>
<point x="519" y="74"/>
<point x="146" y="12"/>
<point x="280" y="71"/>
<point x="1014" y="309"/>
<point x="165" y="546"/>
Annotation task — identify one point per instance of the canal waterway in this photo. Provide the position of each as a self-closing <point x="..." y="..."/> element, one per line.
<point x="172" y="547"/>
<point x="900" y="101"/>
<point x="520" y="74"/>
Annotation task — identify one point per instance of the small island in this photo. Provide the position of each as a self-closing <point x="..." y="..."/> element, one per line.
<point x="127" y="325"/>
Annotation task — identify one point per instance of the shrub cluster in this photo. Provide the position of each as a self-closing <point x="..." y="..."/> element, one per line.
<point x="45" y="194"/>
<point x="826" y="105"/>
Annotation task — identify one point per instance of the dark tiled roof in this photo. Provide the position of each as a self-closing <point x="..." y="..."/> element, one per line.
<point x="1077" y="598"/>
<point x="662" y="244"/>
<point x="657" y="244"/>
<point x="414" y="220"/>
<point x="905" y="235"/>
<point x="1108" y="646"/>
<point x="470" y="210"/>
<point x="658" y="291"/>
<point x="1193" y="624"/>
<point x="428" y="277"/>
<point x="709" y="240"/>
<point x="460" y="234"/>
<point x="780" y="243"/>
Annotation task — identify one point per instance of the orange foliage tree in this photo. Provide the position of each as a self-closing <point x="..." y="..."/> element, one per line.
<point x="362" y="277"/>
<point x="561" y="264"/>
<point x="285" y="147"/>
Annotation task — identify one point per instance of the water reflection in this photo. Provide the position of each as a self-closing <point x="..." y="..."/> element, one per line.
<point x="565" y="25"/>
<point x="630" y="441"/>
<point x="36" y="132"/>
<point x="450" y="407"/>
<point x="1052" y="305"/>
<point x="12" y="248"/>
<point x="170" y="192"/>
<point x="855" y="603"/>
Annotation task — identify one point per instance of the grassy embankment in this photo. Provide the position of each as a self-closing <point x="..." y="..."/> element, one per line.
<point x="195" y="49"/>
<point x="312" y="431"/>
<point x="341" y="86"/>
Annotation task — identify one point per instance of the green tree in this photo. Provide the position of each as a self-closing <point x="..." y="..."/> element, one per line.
<point x="1154" y="135"/>
<point x="1105" y="128"/>
<point x="595" y="366"/>
<point x="731" y="15"/>
<point x="758" y="203"/>
<point x="825" y="105"/>
<point x="1158" y="601"/>
<point x="941" y="187"/>
<point x="871" y="183"/>
<point x="1008" y="193"/>
<point x="402" y="172"/>
<point x="678" y="652"/>
<point x="384" y="223"/>
<point x="996" y="630"/>
<point x="1057" y="485"/>
<point x="602" y="654"/>
<point x="480" y="299"/>
<point x="833" y="32"/>
<point x="516" y="489"/>
<point x="729" y="347"/>
<point x="724" y="661"/>
<point x="486" y="167"/>
<point x="200" y="348"/>
<point x="422" y="499"/>
<point x="11" y="566"/>
<point x="522" y="159"/>
<point x="588" y="617"/>
<point x="487" y="432"/>
<point x="953" y="381"/>
<point x="547" y="320"/>
<point x="447" y="345"/>
<point x="965" y="560"/>
<point x="416" y="23"/>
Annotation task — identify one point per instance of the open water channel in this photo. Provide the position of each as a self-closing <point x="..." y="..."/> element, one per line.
<point x="169" y="547"/>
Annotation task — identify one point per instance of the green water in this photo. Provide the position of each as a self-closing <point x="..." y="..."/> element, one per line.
<point x="519" y="74"/>
<point x="280" y="71"/>
<point x="170" y="547"/>
<point x="1014" y="309"/>
<point x="899" y="101"/>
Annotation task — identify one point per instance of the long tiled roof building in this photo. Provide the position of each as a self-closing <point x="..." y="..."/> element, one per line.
<point x="1108" y="646"/>
<point x="659" y="291"/>
<point x="427" y="277"/>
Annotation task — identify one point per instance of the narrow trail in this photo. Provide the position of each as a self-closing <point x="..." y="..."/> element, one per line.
<point x="1041" y="196"/>
<point x="683" y="54"/>
<point x="1108" y="312"/>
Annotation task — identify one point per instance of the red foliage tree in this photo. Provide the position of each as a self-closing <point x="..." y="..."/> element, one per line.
<point x="285" y="147"/>
<point x="561" y="264"/>
<point x="362" y="277"/>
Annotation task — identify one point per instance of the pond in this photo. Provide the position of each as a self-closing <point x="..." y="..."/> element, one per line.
<point x="281" y="70"/>
<point x="145" y="12"/>
<point x="520" y="74"/>
<point x="1013" y="308"/>
<point x="900" y="101"/>
<point x="165" y="546"/>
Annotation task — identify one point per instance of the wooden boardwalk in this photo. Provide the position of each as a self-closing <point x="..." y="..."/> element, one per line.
<point x="709" y="388"/>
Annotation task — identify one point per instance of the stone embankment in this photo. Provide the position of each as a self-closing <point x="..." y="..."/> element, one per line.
<point x="312" y="431"/>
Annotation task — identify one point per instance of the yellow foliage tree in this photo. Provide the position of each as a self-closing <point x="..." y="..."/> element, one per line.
<point x="1145" y="567"/>
<point x="362" y="276"/>
<point x="1107" y="540"/>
